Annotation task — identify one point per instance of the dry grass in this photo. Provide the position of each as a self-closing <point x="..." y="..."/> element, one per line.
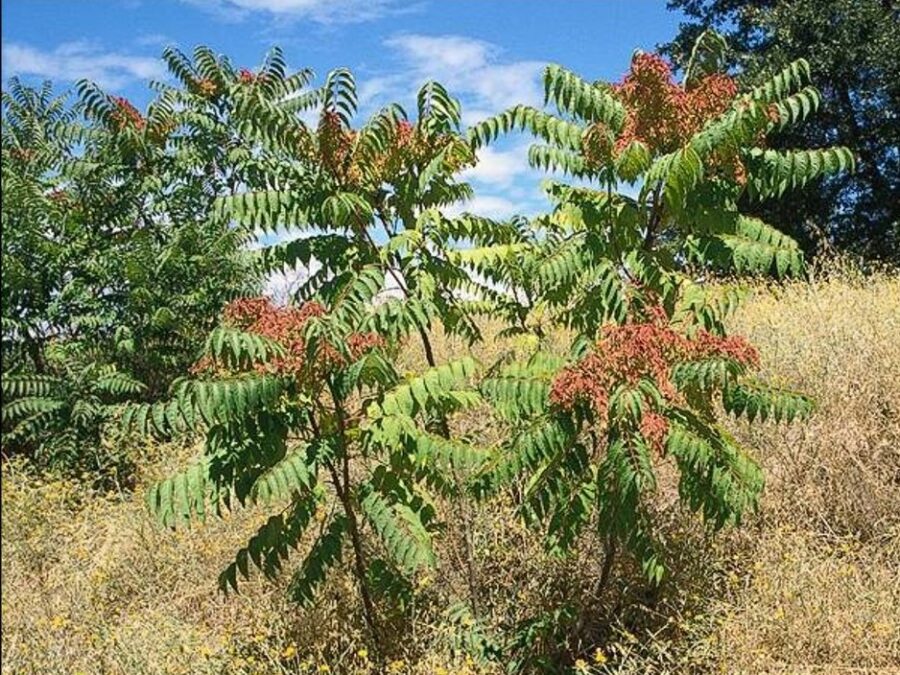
<point x="811" y="585"/>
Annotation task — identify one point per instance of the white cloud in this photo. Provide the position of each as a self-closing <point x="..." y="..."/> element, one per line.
<point x="470" y="69"/>
<point x="499" y="168"/>
<point x="489" y="206"/>
<point x="151" y="40"/>
<point x="75" y="60"/>
<point x="320" y="11"/>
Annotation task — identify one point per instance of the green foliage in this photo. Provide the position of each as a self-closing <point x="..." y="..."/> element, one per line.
<point x="54" y="416"/>
<point x="303" y="409"/>
<point x="107" y="241"/>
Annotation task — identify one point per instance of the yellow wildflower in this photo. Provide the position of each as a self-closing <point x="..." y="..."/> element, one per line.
<point x="289" y="652"/>
<point x="58" y="621"/>
<point x="363" y="654"/>
<point x="599" y="657"/>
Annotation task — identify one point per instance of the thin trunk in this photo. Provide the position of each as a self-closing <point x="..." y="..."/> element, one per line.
<point x="461" y="507"/>
<point x="342" y="487"/>
<point x="359" y="560"/>
<point x="609" y="555"/>
<point x="460" y="504"/>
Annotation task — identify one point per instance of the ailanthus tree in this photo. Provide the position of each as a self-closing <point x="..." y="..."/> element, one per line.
<point x="303" y="407"/>
<point x="304" y="403"/>
<point x="650" y="368"/>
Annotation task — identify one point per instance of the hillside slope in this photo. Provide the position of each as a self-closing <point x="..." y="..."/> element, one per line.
<point x="812" y="584"/>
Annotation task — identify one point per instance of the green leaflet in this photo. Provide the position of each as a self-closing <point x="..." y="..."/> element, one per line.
<point x="401" y="531"/>
<point x="772" y="173"/>
<point x="759" y="400"/>
<point x="707" y="374"/>
<point x="418" y="393"/>
<point x="325" y="554"/>
<point x="526" y="450"/>
<point x="237" y="349"/>
<point x="270" y="546"/>
<point x="520" y="390"/>
<point x="717" y="477"/>
<point x="573" y="95"/>
<point x="206" y="402"/>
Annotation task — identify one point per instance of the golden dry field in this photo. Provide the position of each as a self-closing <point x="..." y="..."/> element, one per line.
<point x="811" y="584"/>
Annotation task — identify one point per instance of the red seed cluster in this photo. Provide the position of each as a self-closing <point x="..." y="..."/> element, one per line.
<point x="285" y="326"/>
<point x="413" y="146"/>
<point x="662" y="113"/>
<point x="23" y="154"/>
<point x="408" y="146"/>
<point x="246" y="76"/>
<point x="336" y="146"/>
<point x="654" y="428"/>
<point x="205" y="87"/>
<point x="124" y="114"/>
<point x="598" y="144"/>
<point x="159" y="131"/>
<point x="628" y="353"/>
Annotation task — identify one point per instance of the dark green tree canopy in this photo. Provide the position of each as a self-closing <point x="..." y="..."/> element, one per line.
<point x="853" y="47"/>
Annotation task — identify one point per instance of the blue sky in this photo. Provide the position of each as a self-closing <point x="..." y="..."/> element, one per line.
<point x="488" y="53"/>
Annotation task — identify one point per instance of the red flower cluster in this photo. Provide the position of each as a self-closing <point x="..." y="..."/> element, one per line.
<point x="285" y="326"/>
<point x="159" y="131"/>
<point x="654" y="429"/>
<point x="205" y="87"/>
<point x="125" y="114"/>
<point x="412" y="146"/>
<point x="627" y="353"/>
<point x="23" y="154"/>
<point x="336" y="145"/>
<point x="598" y="144"/>
<point x="662" y="113"/>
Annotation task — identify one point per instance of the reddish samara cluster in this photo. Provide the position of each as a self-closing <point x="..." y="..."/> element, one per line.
<point x="336" y="144"/>
<point x="125" y="114"/>
<point x="408" y="146"/>
<point x="285" y="325"/>
<point x="628" y="353"/>
<point x="663" y="114"/>
<point x="205" y="87"/>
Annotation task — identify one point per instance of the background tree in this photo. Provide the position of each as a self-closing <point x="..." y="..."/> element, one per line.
<point x="109" y="254"/>
<point x="854" y="46"/>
